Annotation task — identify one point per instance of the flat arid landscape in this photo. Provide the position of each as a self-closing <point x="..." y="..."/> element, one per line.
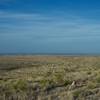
<point x="49" y="49"/>
<point x="49" y="78"/>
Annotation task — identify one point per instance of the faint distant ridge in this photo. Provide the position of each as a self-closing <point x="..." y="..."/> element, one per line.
<point x="53" y="54"/>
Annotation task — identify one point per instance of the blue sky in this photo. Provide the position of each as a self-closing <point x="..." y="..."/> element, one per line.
<point x="49" y="26"/>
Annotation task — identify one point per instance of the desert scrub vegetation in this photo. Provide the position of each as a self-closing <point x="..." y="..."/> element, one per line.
<point x="49" y="78"/>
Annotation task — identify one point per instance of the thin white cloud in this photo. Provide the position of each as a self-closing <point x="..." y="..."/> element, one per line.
<point x="51" y="25"/>
<point x="26" y="16"/>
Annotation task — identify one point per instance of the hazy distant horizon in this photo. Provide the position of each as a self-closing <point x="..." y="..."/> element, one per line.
<point x="49" y="54"/>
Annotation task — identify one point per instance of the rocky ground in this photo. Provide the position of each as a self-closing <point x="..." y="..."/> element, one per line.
<point x="49" y="78"/>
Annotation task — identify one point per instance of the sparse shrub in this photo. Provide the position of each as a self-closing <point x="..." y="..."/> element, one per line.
<point x="20" y="85"/>
<point x="89" y="73"/>
<point x="91" y="85"/>
<point x="59" y="78"/>
<point x="76" y="93"/>
<point x="98" y="79"/>
<point x="44" y="82"/>
<point x="67" y="82"/>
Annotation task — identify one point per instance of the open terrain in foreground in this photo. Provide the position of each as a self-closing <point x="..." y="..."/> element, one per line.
<point x="49" y="78"/>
